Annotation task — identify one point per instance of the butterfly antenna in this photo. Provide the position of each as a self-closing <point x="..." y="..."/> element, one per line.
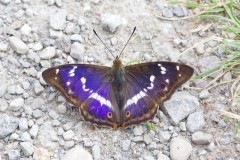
<point x="103" y="43"/>
<point x="128" y="40"/>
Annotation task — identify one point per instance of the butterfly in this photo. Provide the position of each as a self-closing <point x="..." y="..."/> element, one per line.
<point x="118" y="96"/>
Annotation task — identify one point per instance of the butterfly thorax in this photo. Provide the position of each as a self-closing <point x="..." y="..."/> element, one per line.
<point x="118" y="83"/>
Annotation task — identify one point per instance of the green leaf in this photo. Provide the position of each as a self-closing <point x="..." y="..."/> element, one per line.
<point x="192" y="5"/>
<point x="232" y="44"/>
<point x="214" y="10"/>
<point x="150" y="126"/>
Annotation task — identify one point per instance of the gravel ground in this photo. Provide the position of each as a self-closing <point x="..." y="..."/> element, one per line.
<point x="37" y="123"/>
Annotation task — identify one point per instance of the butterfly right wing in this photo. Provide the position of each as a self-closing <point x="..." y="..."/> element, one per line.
<point x="85" y="86"/>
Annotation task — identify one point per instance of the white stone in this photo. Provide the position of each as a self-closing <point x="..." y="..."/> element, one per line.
<point x="16" y="104"/>
<point x="47" y="53"/>
<point x="180" y="149"/>
<point x="77" y="153"/>
<point x="68" y="135"/>
<point x="18" y="45"/>
<point x="25" y="29"/>
<point x="58" y="20"/>
<point x="41" y="154"/>
<point x="27" y="148"/>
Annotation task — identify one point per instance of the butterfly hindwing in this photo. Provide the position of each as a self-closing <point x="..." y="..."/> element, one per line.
<point x="85" y="86"/>
<point x="151" y="84"/>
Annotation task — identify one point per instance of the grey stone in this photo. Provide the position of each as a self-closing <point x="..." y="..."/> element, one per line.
<point x="34" y="131"/>
<point x="110" y="22"/>
<point x="166" y="12"/>
<point x="163" y="157"/>
<point x="18" y="45"/>
<point x="182" y="126"/>
<point x="27" y="148"/>
<point x="62" y="109"/>
<point x="41" y="154"/>
<point x="210" y="147"/>
<point x="69" y="144"/>
<point x="200" y="48"/>
<point x="212" y="43"/>
<point x="137" y="139"/>
<point x="201" y="138"/>
<point x="37" y="113"/>
<point x="126" y="145"/>
<point x="25" y="29"/>
<point x="164" y="136"/>
<point x="180" y="149"/>
<point x="114" y="41"/>
<point x="77" y="153"/>
<point x="23" y="124"/>
<point x="53" y="114"/>
<point x="68" y="135"/>
<point x="58" y="20"/>
<point x="77" y="37"/>
<point x="81" y="21"/>
<point x="38" y="88"/>
<point x="225" y="141"/>
<point x="179" y="11"/>
<point x="55" y="34"/>
<point x="152" y="146"/>
<point x="180" y="106"/>
<point x="25" y="85"/>
<point x="77" y="51"/>
<point x="16" y="104"/>
<point x="58" y="3"/>
<point x="37" y="46"/>
<point x="3" y="105"/>
<point x="138" y="130"/>
<point x="222" y="123"/>
<point x="14" y="155"/>
<point x="25" y="136"/>
<point x="147" y="138"/>
<point x="7" y="125"/>
<point x="96" y="152"/>
<point x="195" y="121"/>
<point x="204" y="94"/>
<point x="47" y="53"/>
<point x="51" y="2"/>
<point x="148" y="158"/>
<point x="208" y="63"/>
<point x="237" y="147"/>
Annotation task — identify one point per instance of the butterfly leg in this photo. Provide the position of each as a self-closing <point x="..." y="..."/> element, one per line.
<point x="123" y="126"/>
<point x="115" y="126"/>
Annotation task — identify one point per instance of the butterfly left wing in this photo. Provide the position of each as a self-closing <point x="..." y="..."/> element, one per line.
<point x="85" y="86"/>
<point x="150" y="84"/>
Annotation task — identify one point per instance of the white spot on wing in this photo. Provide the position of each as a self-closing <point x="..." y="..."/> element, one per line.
<point x="159" y="65"/>
<point x="135" y="98"/>
<point x="55" y="78"/>
<point x="101" y="99"/>
<point x="167" y="80"/>
<point x="68" y="83"/>
<point x="163" y="69"/>
<point x="152" y="78"/>
<point x="84" y="88"/>
<point x="179" y="75"/>
<point x="151" y="87"/>
<point x="163" y="72"/>
<point x="57" y="70"/>
<point x="83" y="80"/>
<point x="72" y="74"/>
<point x="177" y="68"/>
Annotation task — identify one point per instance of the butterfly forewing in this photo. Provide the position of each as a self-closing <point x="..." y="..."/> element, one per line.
<point x="150" y="84"/>
<point x="85" y="86"/>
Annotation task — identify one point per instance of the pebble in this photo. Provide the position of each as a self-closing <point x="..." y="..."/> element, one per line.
<point x="37" y="46"/>
<point x="18" y="45"/>
<point x="126" y="145"/>
<point x="27" y="148"/>
<point x="37" y="113"/>
<point x="77" y="51"/>
<point x="38" y="88"/>
<point x="110" y="22"/>
<point x="179" y="11"/>
<point x="204" y="94"/>
<point x="7" y="125"/>
<point x="25" y="29"/>
<point x="41" y="154"/>
<point x="58" y="3"/>
<point x="200" y="48"/>
<point x="180" y="149"/>
<point x="14" y="155"/>
<point x="14" y="136"/>
<point x="23" y="124"/>
<point x="208" y="63"/>
<point x="210" y="147"/>
<point x="166" y="12"/>
<point x="147" y="138"/>
<point x="47" y="53"/>
<point x="34" y="131"/>
<point x="62" y="109"/>
<point x="77" y="37"/>
<point x="55" y="34"/>
<point x="182" y="126"/>
<point x="195" y="121"/>
<point x="138" y="130"/>
<point x="137" y="139"/>
<point x="224" y="141"/>
<point x="212" y="43"/>
<point x="68" y="144"/>
<point x="200" y="138"/>
<point x="96" y="152"/>
<point x="237" y="147"/>
<point x="77" y="153"/>
<point x="58" y="20"/>
<point x="4" y="105"/>
<point x="68" y="135"/>
<point x="180" y="106"/>
<point x="25" y="136"/>
<point x="148" y="158"/>
<point x="163" y="157"/>
<point x="222" y="123"/>
<point x="114" y="41"/>
<point x="164" y="136"/>
<point x="53" y="114"/>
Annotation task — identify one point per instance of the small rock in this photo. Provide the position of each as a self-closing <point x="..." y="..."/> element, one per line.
<point x="68" y="135"/>
<point x="25" y="29"/>
<point x="77" y="153"/>
<point x="18" y="45"/>
<point x="58" y="20"/>
<point x="77" y="37"/>
<point x="37" y="113"/>
<point x="201" y="138"/>
<point x="69" y="144"/>
<point x="137" y="139"/>
<point x="180" y="149"/>
<point x="212" y="43"/>
<point x="25" y="136"/>
<point x="13" y="154"/>
<point x="14" y="136"/>
<point x="4" y="104"/>
<point x="55" y="34"/>
<point x="204" y="94"/>
<point x="211" y="147"/>
<point x="167" y="13"/>
<point x="53" y="114"/>
<point x="208" y="63"/>
<point x="237" y="147"/>
<point x="58" y="3"/>
<point x="7" y="125"/>
<point x="5" y="1"/>
<point x="37" y="47"/>
<point x="147" y="138"/>
<point x="224" y="141"/>
<point x="62" y="109"/>
<point x="47" y="53"/>
<point x="222" y="123"/>
<point x="96" y="152"/>
<point x="27" y="148"/>
<point x="34" y="131"/>
<point x="126" y="145"/>
<point x="180" y="106"/>
<point x="164" y="136"/>
<point x="51" y="2"/>
<point x="81" y="21"/>
<point x="200" y="48"/>
<point x="182" y="126"/>
<point x="77" y="51"/>
<point x="114" y="41"/>
<point x="163" y="157"/>
<point x="23" y="124"/>
<point x="148" y="158"/>
<point x="195" y="122"/>
<point x="138" y="130"/>
<point x="111" y="22"/>
<point x="179" y="11"/>
<point x="41" y="154"/>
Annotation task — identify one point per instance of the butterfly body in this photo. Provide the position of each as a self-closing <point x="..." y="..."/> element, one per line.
<point x="118" y="96"/>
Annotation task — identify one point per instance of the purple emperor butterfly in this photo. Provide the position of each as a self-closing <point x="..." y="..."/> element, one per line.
<point x="118" y="96"/>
